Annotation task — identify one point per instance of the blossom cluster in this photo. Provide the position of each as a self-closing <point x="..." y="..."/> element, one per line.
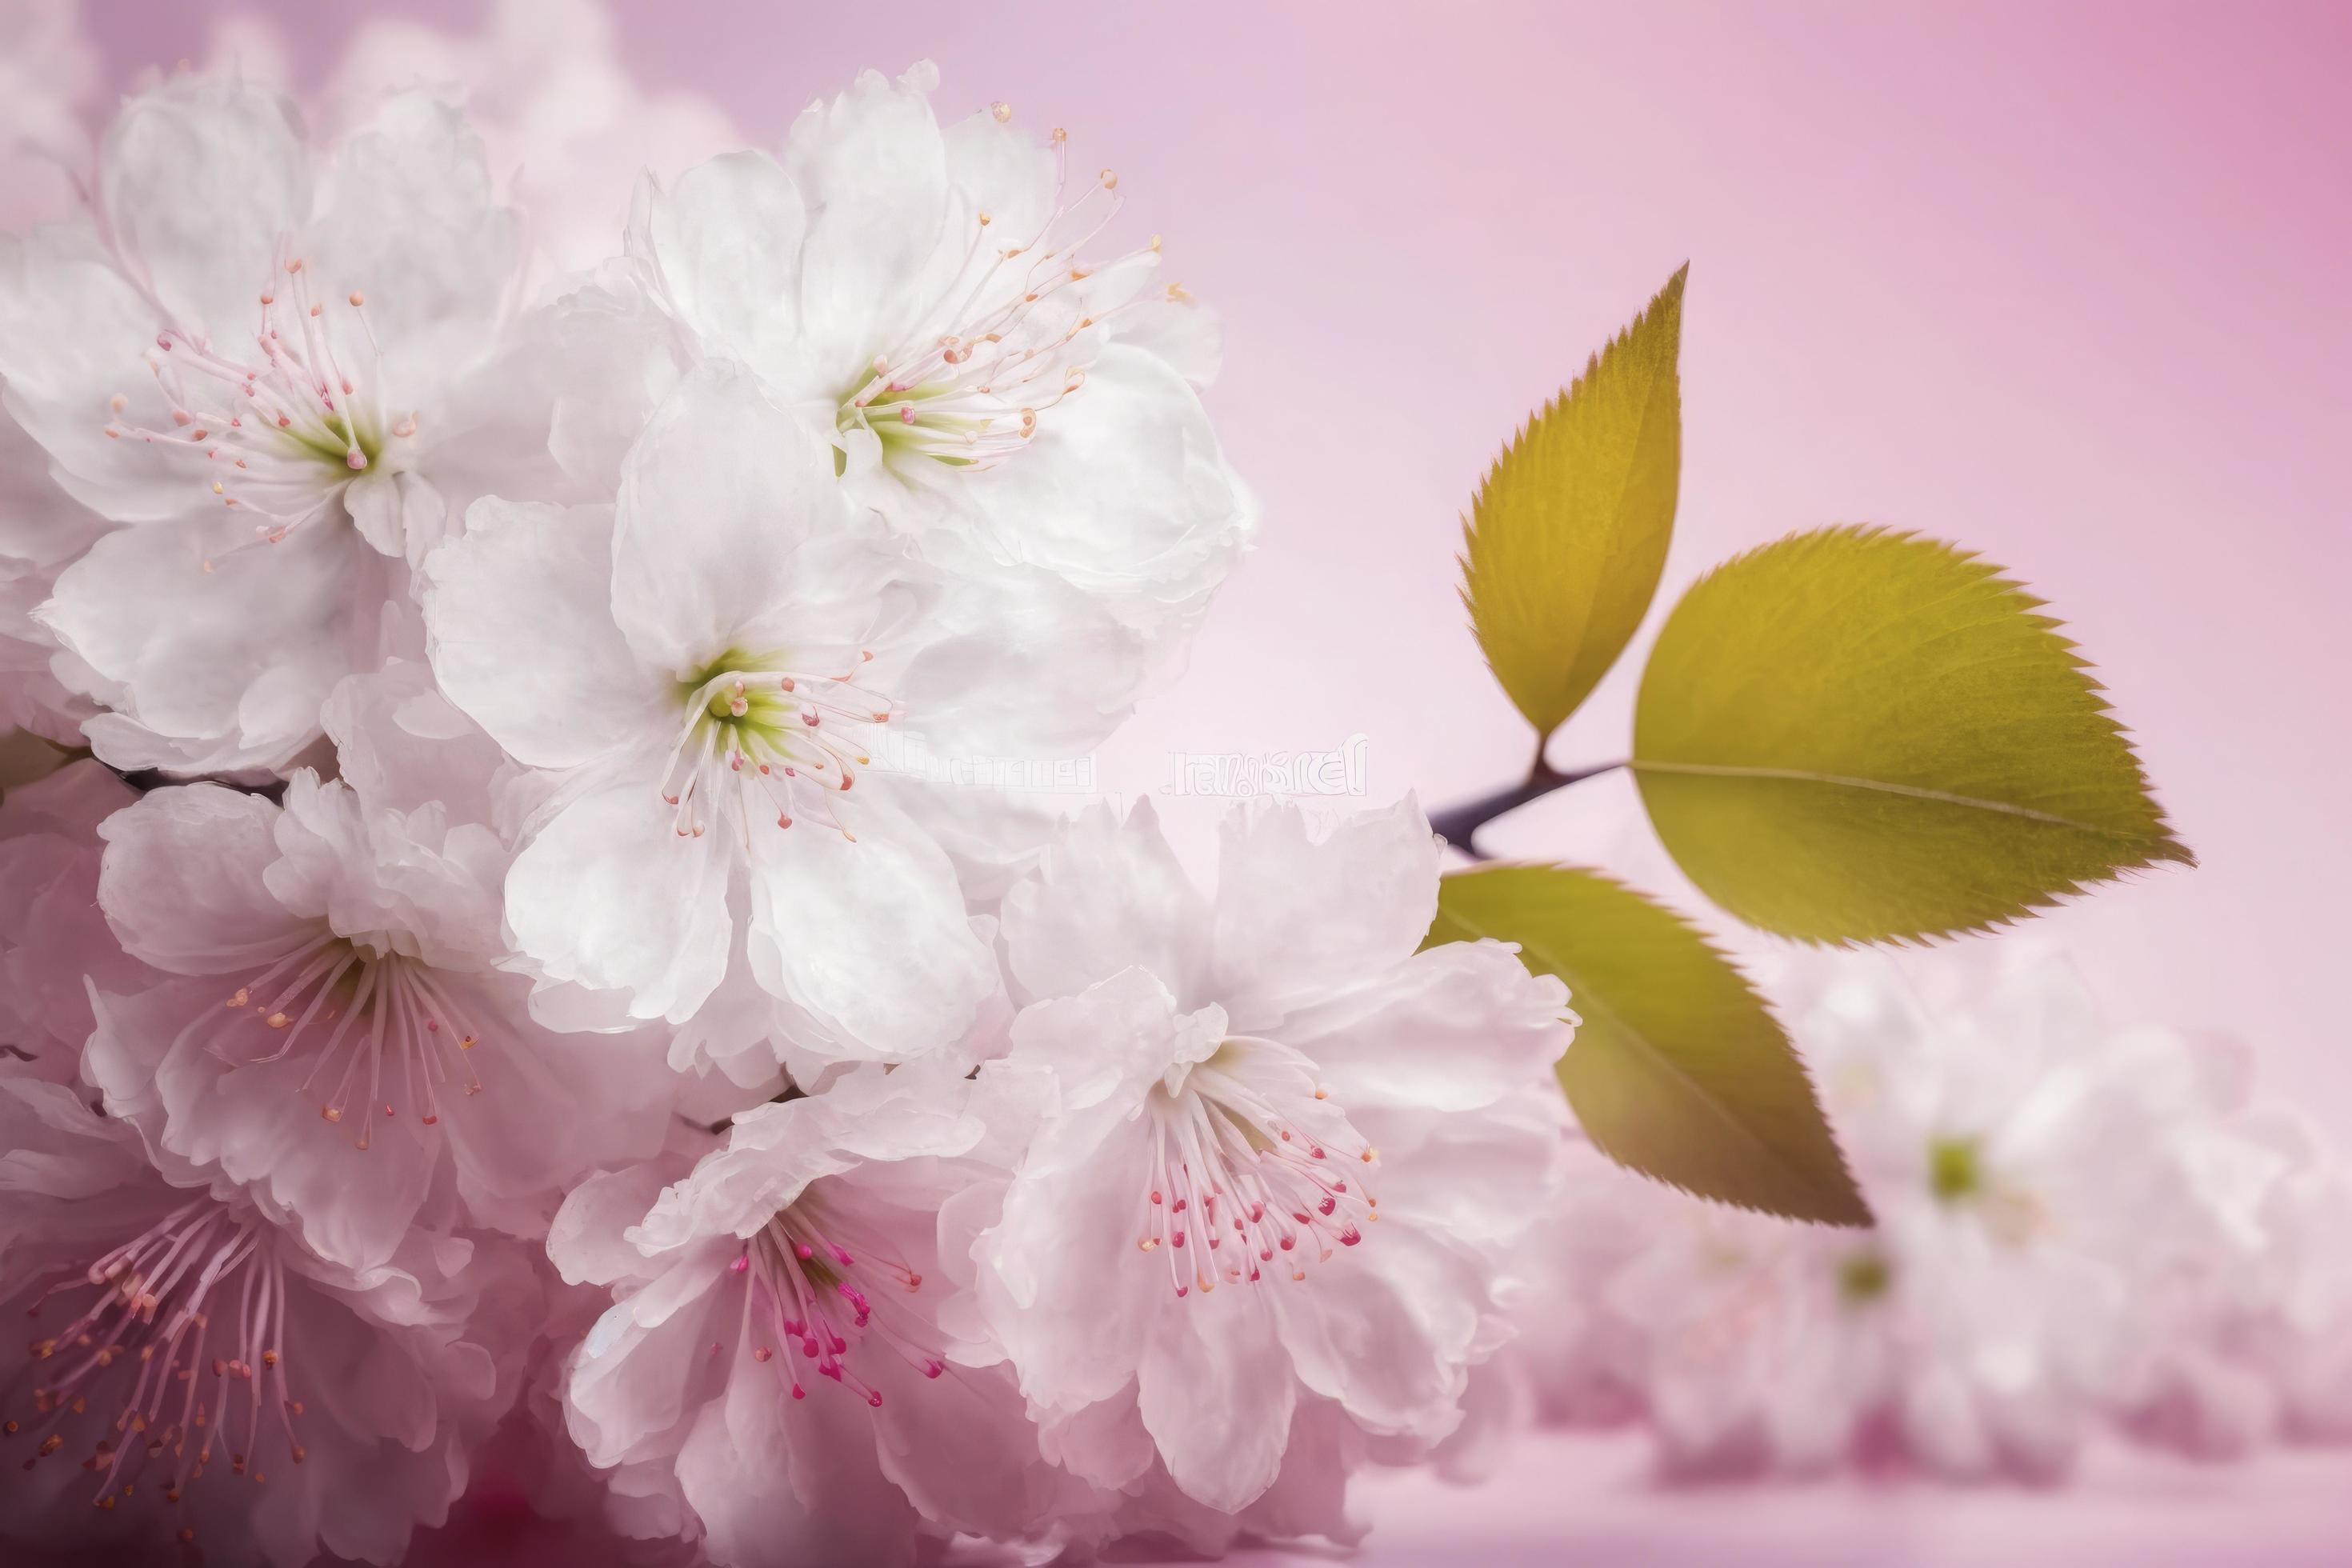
<point x="2082" y="1231"/>
<point x="489" y="984"/>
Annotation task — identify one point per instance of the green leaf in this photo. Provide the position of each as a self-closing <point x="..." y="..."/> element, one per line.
<point x="1679" y="1071"/>
<point x="1566" y="537"/>
<point x="1860" y="735"/>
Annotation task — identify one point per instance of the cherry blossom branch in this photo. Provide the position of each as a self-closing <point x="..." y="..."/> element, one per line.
<point x="1458" y="824"/>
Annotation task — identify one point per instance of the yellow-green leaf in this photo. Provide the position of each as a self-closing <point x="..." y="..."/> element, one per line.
<point x="1566" y="537"/>
<point x="1860" y="735"/>
<point x="1678" y="1071"/>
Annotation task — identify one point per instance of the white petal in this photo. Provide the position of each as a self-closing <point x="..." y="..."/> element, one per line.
<point x="609" y="896"/>
<point x="773" y="1152"/>
<point x="716" y="499"/>
<point x="1000" y="169"/>
<point x="872" y="168"/>
<point x="223" y="649"/>
<point x="780" y="1483"/>
<point x="587" y="1242"/>
<point x="1124" y="493"/>
<point x="726" y="239"/>
<point x="1017" y="664"/>
<point x="1388" y="1331"/>
<point x="1063" y="1285"/>
<point x="401" y="745"/>
<point x="643" y="1369"/>
<point x="74" y="334"/>
<point x="409" y="218"/>
<point x="181" y="880"/>
<point x="1459" y="1027"/>
<point x="1297" y="916"/>
<point x="1109" y="894"/>
<point x="200" y="177"/>
<point x="258" y="1126"/>
<point x="869" y="938"/>
<point x="520" y="615"/>
<point x="1216" y="1390"/>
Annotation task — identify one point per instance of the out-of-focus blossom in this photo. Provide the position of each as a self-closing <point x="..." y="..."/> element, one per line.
<point x="199" y="1383"/>
<point x="568" y="132"/>
<point x="48" y="77"/>
<point x="54" y="943"/>
<point x="1279" y="1164"/>
<point x="42" y="532"/>
<point x="2079" y="1228"/>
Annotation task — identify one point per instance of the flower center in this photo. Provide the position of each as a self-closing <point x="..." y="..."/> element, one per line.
<point x="784" y="733"/>
<point x="1954" y="1170"/>
<point x="398" y="1017"/>
<point x="1252" y="1145"/>
<point x="284" y="428"/>
<point x="184" y="1337"/>
<point x="810" y="1292"/>
<point x="1002" y="342"/>
<point x="1863" y="1277"/>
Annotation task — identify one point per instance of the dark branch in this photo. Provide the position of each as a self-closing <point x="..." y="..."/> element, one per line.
<point x="145" y="779"/>
<point x="1459" y="824"/>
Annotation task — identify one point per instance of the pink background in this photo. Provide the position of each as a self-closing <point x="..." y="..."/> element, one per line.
<point x="2064" y="283"/>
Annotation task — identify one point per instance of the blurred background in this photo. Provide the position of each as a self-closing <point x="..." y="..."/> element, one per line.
<point x="2064" y="283"/>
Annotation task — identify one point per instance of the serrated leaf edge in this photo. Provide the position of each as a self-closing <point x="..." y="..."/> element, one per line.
<point x="2168" y="848"/>
<point x="1698" y="933"/>
<point x="1518" y="437"/>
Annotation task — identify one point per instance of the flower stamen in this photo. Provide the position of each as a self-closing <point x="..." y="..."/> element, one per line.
<point x="1234" y="1158"/>
<point x="157" y="1342"/>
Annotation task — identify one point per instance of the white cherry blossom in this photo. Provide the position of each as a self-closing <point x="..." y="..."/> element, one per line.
<point x="773" y="1360"/>
<point x="721" y="667"/>
<point x="330" y="1032"/>
<point x="1278" y="1154"/>
<point x="275" y="358"/>
<point x="2079" y="1228"/>
<point x="936" y="299"/>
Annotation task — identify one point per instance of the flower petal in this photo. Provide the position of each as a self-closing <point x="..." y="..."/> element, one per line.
<point x="518" y="612"/>
<point x="1216" y="1392"/>
<point x="181" y="880"/>
<point x="200" y="176"/>
<point x="409" y="216"/>
<point x="716" y="499"/>
<point x="870" y="938"/>
<point x="1124" y="493"/>
<point x="221" y="650"/>
<point x="1016" y="663"/>
<point x="1454" y="1028"/>
<point x="725" y="239"/>
<point x="610" y="895"/>
<point x="872" y="168"/>
<point x="1298" y="915"/>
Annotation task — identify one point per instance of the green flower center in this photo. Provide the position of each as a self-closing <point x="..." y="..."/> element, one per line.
<point x="1864" y="1278"/>
<point x="1955" y="1171"/>
<point x="772" y="732"/>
